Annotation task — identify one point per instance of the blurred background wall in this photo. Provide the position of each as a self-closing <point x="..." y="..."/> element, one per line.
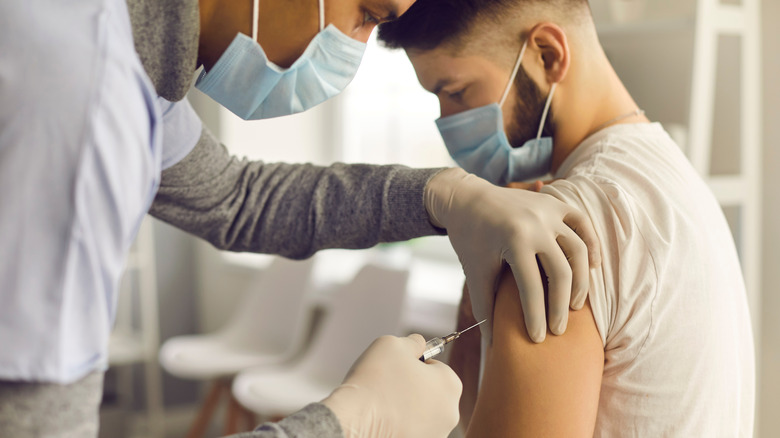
<point x="769" y="366"/>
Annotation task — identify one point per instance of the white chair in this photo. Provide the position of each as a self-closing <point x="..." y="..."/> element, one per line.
<point x="269" y="327"/>
<point x="368" y="307"/>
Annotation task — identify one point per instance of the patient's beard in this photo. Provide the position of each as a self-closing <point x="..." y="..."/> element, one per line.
<point x="527" y="112"/>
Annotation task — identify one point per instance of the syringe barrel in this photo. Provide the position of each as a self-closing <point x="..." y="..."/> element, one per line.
<point x="433" y="348"/>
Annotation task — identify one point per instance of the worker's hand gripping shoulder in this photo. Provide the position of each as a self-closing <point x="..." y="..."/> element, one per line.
<point x="390" y="392"/>
<point x="489" y="225"/>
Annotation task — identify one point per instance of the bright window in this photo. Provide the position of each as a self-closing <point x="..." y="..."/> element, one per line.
<point x="383" y="117"/>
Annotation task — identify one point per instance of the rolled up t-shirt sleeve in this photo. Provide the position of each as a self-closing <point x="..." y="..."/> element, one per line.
<point x="587" y="196"/>
<point x="624" y="285"/>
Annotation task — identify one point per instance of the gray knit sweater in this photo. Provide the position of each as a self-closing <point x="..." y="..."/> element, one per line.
<point x="291" y="210"/>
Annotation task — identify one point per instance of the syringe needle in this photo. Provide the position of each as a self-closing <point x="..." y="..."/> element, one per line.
<point x="465" y="330"/>
<point x="436" y="345"/>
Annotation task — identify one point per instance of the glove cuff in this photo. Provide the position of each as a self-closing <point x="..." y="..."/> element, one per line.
<point x="439" y="192"/>
<point x="352" y="407"/>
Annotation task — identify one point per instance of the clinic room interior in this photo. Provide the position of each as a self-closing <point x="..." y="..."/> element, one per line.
<point x="208" y="342"/>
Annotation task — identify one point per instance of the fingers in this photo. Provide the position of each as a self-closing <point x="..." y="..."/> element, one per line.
<point x="482" y="291"/>
<point x="450" y="381"/>
<point x="465" y="309"/>
<point x="441" y="366"/>
<point x="529" y="284"/>
<point x="559" y="276"/>
<point x="584" y="229"/>
<point x="532" y="186"/>
<point x="574" y="249"/>
<point x="520" y="185"/>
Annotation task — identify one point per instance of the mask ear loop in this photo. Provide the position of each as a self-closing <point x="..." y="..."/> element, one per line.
<point x="514" y="73"/>
<point x="546" y="110"/>
<point x="322" y="14"/>
<point x="255" y="18"/>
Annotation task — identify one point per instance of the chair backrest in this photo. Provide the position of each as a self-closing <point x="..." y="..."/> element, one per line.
<point x="274" y="315"/>
<point x="368" y="307"/>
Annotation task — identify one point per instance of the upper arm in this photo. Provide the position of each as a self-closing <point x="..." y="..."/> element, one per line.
<point x="549" y="389"/>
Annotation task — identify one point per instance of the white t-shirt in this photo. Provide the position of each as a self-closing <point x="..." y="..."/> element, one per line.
<point x="669" y="299"/>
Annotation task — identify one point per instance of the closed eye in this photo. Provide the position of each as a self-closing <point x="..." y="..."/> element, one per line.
<point x="457" y="95"/>
<point x="370" y="19"/>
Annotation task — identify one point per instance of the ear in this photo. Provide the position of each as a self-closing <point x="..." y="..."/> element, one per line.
<point x="550" y="43"/>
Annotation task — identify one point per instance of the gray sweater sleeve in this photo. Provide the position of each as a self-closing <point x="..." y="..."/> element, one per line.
<point x="292" y="210"/>
<point x="315" y="420"/>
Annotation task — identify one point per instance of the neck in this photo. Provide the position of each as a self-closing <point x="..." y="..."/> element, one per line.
<point x="219" y="24"/>
<point x="284" y="28"/>
<point x="589" y="101"/>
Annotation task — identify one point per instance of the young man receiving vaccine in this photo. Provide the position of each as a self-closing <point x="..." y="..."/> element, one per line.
<point x="663" y="345"/>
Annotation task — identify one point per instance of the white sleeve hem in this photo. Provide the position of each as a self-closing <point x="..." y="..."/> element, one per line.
<point x="181" y="130"/>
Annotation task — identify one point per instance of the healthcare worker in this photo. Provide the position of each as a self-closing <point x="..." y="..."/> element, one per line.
<point x="94" y="132"/>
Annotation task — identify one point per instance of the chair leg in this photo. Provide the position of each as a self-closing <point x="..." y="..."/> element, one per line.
<point x="249" y="418"/>
<point x="233" y="416"/>
<point x="201" y="422"/>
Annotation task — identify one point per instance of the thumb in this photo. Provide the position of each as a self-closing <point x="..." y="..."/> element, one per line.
<point x="415" y="343"/>
<point x="482" y="295"/>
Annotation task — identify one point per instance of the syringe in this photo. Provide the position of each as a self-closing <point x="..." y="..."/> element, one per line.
<point x="436" y="345"/>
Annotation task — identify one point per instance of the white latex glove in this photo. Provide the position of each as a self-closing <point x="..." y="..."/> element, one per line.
<point x="489" y="225"/>
<point x="389" y="392"/>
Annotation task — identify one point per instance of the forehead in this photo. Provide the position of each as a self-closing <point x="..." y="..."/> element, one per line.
<point x="386" y="10"/>
<point x="438" y="67"/>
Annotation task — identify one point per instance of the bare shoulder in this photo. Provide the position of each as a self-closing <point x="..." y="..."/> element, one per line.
<point x="549" y="389"/>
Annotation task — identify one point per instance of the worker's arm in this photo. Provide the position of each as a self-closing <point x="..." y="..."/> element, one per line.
<point x="315" y="419"/>
<point x="387" y="392"/>
<point x="550" y="389"/>
<point x="290" y="209"/>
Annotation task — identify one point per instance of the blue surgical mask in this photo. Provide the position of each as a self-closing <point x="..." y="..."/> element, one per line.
<point x="247" y="83"/>
<point x="477" y="141"/>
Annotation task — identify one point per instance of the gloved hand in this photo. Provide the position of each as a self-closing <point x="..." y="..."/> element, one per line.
<point x="489" y="225"/>
<point x="390" y="393"/>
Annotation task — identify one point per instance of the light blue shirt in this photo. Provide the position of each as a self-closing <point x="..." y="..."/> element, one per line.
<point x="83" y="139"/>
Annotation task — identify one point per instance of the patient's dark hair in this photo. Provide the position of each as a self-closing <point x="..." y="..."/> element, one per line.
<point x="430" y="23"/>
